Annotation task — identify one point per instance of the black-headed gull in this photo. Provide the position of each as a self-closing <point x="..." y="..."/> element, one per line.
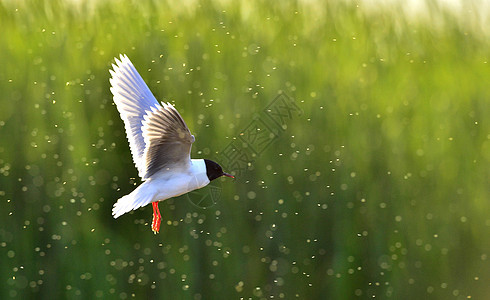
<point x="160" y="143"/>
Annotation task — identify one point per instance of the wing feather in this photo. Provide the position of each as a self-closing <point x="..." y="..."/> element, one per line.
<point x="158" y="136"/>
<point x="168" y="138"/>
<point x="133" y="100"/>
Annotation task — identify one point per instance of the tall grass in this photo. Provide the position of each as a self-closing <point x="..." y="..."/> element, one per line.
<point x="378" y="189"/>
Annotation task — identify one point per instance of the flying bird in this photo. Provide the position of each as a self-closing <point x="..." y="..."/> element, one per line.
<point x="160" y="143"/>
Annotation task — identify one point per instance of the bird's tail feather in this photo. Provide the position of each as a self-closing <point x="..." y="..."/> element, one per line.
<point x="136" y="199"/>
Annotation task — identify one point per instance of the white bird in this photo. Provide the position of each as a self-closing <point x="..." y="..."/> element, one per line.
<point x="160" y="143"/>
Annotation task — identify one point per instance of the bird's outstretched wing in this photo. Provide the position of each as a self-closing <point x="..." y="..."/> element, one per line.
<point x="134" y="100"/>
<point x="157" y="135"/>
<point x="168" y="140"/>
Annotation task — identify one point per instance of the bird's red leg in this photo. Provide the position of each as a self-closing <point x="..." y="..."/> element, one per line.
<point x="157" y="218"/>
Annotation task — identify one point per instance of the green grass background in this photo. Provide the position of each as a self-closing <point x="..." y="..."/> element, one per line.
<point x="380" y="189"/>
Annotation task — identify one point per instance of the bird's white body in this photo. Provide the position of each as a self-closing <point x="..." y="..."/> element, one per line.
<point x="159" y="139"/>
<point x="160" y="143"/>
<point x="164" y="185"/>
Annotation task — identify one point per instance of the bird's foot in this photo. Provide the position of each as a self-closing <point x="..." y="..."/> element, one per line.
<point x="157" y="218"/>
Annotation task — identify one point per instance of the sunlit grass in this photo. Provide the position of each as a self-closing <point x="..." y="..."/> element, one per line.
<point x="379" y="188"/>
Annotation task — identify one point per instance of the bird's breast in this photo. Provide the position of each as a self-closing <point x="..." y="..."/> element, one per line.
<point x="173" y="185"/>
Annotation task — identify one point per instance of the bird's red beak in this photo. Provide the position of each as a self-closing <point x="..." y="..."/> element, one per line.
<point x="228" y="175"/>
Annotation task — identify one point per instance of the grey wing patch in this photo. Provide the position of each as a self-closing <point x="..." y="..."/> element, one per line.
<point x="168" y="140"/>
